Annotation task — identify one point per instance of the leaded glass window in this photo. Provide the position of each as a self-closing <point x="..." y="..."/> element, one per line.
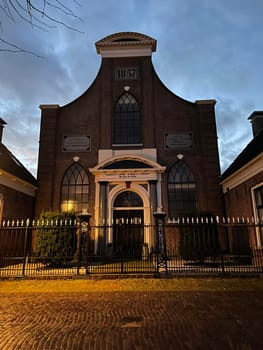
<point x="181" y="190"/>
<point x="128" y="199"/>
<point x="127" y="121"/>
<point x="74" y="189"/>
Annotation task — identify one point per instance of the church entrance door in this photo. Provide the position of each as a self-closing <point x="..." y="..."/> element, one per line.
<point x="128" y="228"/>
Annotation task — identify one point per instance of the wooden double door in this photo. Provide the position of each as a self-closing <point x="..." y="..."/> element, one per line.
<point x="128" y="232"/>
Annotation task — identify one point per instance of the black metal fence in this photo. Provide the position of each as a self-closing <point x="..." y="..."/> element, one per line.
<point x="185" y="246"/>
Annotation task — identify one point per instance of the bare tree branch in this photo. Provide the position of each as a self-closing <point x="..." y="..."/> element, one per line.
<point x="6" y="11"/>
<point x="38" y="15"/>
<point x="16" y="49"/>
<point x="32" y="16"/>
<point x="52" y="19"/>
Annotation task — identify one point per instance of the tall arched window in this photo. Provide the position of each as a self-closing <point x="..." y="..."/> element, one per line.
<point x="74" y="189"/>
<point x="127" y="121"/>
<point x="181" y="190"/>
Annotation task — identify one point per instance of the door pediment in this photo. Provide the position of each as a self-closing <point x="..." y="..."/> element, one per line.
<point x="127" y="168"/>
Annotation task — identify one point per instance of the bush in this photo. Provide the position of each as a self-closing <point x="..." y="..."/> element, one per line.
<point x="56" y="237"/>
<point x="198" y="240"/>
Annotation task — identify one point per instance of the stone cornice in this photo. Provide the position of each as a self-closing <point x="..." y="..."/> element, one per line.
<point x="126" y="44"/>
<point x="16" y="183"/>
<point x="205" y="102"/>
<point x="243" y="174"/>
<point x="49" y="106"/>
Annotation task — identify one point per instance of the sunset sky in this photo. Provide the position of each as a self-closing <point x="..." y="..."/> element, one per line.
<point x="206" y="49"/>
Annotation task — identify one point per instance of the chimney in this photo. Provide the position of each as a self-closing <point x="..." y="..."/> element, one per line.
<point x="256" y="119"/>
<point x="2" y="124"/>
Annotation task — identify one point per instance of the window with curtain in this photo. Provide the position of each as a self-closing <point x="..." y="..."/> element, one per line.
<point x="127" y="121"/>
<point x="74" y="189"/>
<point x="181" y="190"/>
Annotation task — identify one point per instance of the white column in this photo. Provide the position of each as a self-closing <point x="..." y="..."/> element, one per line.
<point x="159" y="193"/>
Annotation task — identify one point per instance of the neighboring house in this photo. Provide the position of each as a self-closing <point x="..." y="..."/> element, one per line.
<point x="242" y="182"/>
<point x="128" y="147"/>
<point x="17" y="185"/>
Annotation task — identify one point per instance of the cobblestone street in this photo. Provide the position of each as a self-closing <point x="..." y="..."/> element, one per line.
<point x="131" y="320"/>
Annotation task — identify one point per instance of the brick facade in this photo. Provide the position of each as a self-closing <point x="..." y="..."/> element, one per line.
<point x="165" y="118"/>
<point x="17" y="205"/>
<point x="242" y="184"/>
<point x="17" y="185"/>
<point x="239" y="200"/>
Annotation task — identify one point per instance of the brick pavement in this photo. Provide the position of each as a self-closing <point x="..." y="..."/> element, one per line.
<point x="131" y="321"/>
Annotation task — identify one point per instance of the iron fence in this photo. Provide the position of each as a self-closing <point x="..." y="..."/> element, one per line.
<point x="185" y="246"/>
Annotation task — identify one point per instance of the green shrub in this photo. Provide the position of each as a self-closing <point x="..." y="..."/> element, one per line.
<point x="56" y="236"/>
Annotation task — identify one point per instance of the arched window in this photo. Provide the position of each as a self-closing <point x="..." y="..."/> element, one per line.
<point x="181" y="190"/>
<point x="128" y="199"/>
<point x="74" y="189"/>
<point x="127" y="121"/>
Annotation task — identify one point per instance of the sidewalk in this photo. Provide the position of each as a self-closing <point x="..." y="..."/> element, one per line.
<point x="112" y="318"/>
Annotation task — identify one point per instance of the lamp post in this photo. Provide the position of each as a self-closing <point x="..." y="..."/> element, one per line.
<point x="161" y="255"/>
<point x="84" y="217"/>
<point x="83" y="239"/>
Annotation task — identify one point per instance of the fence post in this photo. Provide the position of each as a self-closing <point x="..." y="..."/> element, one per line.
<point x="78" y="253"/>
<point x="161" y="255"/>
<point x="222" y="262"/>
<point x="25" y="247"/>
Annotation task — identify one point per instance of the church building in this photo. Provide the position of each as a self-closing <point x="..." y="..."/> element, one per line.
<point x="128" y="147"/>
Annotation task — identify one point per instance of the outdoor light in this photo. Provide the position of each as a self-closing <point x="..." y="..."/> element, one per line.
<point x="68" y="206"/>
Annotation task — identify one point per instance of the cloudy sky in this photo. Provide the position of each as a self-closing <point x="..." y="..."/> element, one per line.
<point x="205" y="49"/>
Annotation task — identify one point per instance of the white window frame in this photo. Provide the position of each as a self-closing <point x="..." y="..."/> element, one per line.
<point x="1" y="206"/>
<point x="255" y="211"/>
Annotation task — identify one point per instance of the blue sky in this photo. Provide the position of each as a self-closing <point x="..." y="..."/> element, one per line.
<point x="205" y="49"/>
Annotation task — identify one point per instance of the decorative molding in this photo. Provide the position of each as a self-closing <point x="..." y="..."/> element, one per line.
<point x="126" y="44"/>
<point x="125" y="52"/>
<point x="143" y="154"/>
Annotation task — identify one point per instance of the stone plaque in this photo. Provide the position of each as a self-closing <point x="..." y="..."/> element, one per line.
<point x="178" y="141"/>
<point x="76" y="143"/>
<point x="128" y="176"/>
